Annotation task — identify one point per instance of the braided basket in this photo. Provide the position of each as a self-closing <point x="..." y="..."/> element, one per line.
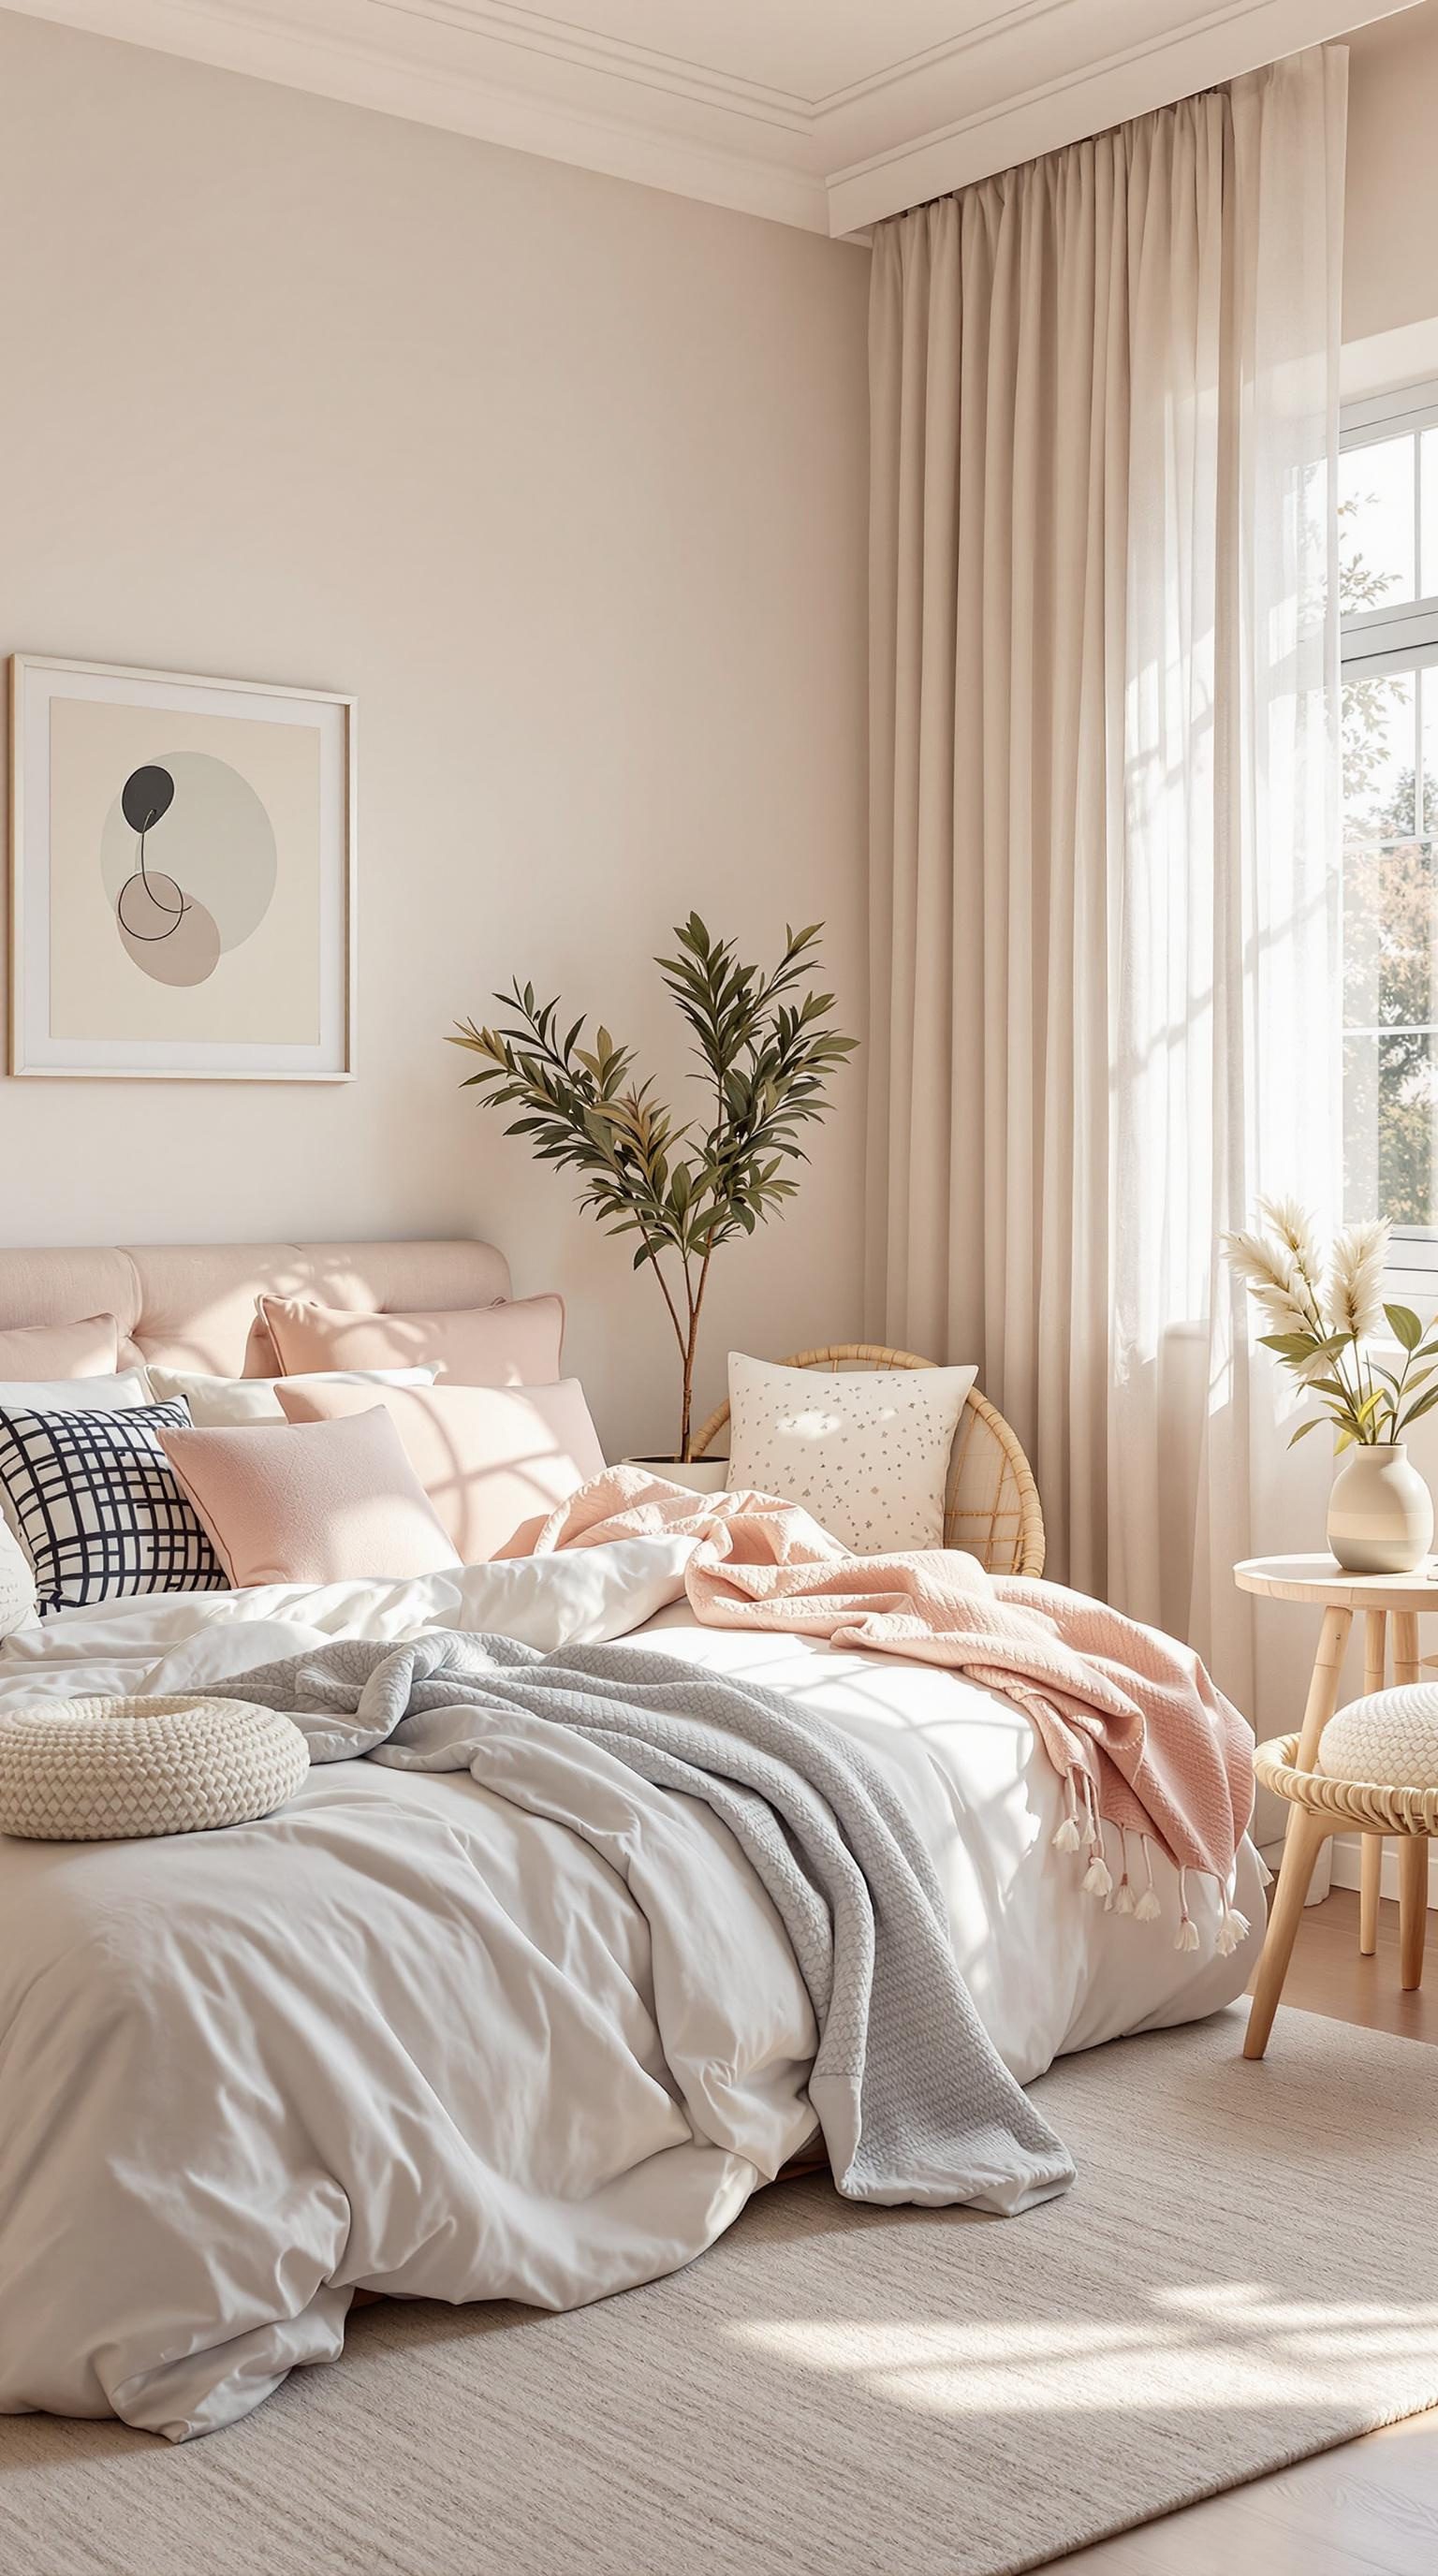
<point x="1374" y="1806"/>
<point x="102" y="1770"/>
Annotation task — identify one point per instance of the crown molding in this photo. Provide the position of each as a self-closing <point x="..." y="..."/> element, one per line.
<point x="833" y="162"/>
<point x="561" y="40"/>
<point x="236" y="36"/>
<point x="1220" y="44"/>
<point x="1018" y="16"/>
<point x="594" y="50"/>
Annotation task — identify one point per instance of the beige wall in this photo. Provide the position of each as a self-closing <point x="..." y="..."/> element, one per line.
<point x="1390" y="258"/>
<point x="566" y="479"/>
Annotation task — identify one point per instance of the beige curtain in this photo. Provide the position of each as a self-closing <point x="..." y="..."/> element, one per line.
<point x="1104" y="818"/>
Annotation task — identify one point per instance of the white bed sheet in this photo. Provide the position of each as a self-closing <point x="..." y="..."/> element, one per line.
<point x="409" y="2037"/>
<point x="1048" y="1968"/>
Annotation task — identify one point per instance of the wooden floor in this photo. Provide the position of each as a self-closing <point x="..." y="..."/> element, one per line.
<point x="1370" y="2508"/>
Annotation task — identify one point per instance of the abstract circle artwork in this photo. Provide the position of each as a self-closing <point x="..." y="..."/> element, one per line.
<point x="189" y="863"/>
<point x="183" y="876"/>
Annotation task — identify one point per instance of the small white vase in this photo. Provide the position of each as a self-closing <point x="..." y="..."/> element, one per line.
<point x="698" y="1475"/>
<point x="1380" y="1512"/>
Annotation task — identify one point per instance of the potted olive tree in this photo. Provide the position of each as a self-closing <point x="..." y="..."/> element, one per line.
<point x="686" y="1188"/>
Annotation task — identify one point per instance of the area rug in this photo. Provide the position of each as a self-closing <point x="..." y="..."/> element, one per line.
<point x="1245" y="2272"/>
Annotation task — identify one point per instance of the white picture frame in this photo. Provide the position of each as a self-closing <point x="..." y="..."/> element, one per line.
<point x="270" y="772"/>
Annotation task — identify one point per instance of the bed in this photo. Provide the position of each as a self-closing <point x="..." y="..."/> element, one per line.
<point x="409" y="2036"/>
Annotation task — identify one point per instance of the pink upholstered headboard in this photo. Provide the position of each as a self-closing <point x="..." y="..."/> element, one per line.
<point x="192" y="1305"/>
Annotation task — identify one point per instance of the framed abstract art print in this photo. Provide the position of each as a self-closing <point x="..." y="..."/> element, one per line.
<point x="181" y="876"/>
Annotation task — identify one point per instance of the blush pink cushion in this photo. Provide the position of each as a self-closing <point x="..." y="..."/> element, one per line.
<point x="333" y="1502"/>
<point x="31" y="1352"/>
<point x="515" y="1344"/>
<point x="494" y="1460"/>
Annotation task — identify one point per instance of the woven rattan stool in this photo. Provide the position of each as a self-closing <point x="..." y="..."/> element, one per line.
<point x="1322" y="1807"/>
<point x="1399" y="1600"/>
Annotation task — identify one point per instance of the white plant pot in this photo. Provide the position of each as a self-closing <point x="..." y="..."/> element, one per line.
<point x="697" y="1475"/>
<point x="1380" y="1512"/>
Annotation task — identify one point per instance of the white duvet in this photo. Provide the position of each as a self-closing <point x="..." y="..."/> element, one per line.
<point x="406" y="2036"/>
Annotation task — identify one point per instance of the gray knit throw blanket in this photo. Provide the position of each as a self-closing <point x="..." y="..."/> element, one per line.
<point x="913" y="2099"/>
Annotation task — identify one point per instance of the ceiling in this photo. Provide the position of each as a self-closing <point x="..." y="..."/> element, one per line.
<point x="823" y="113"/>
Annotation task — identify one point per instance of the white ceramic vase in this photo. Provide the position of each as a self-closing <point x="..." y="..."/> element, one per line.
<point x="698" y="1475"/>
<point x="1380" y="1512"/>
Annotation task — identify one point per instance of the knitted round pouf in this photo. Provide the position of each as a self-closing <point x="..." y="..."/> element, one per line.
<point x="1392" y="1737"/>
<point x="102" y="1770"/>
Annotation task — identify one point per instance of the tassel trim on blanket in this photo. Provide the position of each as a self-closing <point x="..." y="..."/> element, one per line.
<point x="1082" y="1830"/>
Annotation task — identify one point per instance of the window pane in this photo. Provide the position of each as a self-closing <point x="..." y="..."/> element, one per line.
<point x="1390" y="949"/>
<point x="1390" y="952"/>
<point x="1428" y="448"/>
<point x="1388" y="559"/>
<point x="1390" y="1095"/>
<point x="1375" y="525"/>
<point x="1428" y="750"/>
<point x="1379" y="757"/>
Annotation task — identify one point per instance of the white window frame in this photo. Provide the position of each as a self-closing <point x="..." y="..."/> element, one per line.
<point x="1397" y="639"/>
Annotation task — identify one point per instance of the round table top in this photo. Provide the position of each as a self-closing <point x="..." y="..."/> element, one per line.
<point x="1322" y="1579"/>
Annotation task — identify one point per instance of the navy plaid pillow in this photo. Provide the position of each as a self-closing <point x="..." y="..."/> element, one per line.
<point x="99" y="1507"/>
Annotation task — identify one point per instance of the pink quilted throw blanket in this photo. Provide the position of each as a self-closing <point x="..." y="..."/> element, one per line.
<point x="1130" y="1720"/>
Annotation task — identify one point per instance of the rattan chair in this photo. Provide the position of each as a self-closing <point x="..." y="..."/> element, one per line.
<point x="991" y="1503"/>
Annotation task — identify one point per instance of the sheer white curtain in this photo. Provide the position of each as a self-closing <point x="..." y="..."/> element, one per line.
<point x="1104" y="805"/>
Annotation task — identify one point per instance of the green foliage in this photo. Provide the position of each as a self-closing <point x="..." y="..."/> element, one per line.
<point x="1362" y="1401"/>
<point x="685" y="1190"/>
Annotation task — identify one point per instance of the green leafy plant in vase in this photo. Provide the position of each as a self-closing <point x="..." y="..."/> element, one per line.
<point x="686" y="1188"/>
<point x="1329" y="1324"/>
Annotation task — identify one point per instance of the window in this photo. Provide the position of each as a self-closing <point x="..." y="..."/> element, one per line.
<point x="1388" y="583"/>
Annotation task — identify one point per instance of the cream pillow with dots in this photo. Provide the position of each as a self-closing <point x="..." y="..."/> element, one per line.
<point x="866" y="1455"/>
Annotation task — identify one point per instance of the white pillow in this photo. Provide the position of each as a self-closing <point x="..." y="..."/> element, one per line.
<point x="222" y="1403"/>
<point x="18" y="1601"/>
<point x="75" y="1394"/>
<point x="867" y="1456"/>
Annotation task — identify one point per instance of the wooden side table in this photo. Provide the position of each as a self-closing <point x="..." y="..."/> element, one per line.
<point x="1321" y="1583"/>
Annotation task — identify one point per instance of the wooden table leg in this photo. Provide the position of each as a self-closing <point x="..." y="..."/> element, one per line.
<point x="1370" y="1890"/>
<point x="1375" y="1670"/>
<point x="1306" y="1833"/>
<point x="1412" y="1908"/>
<point x="1412" y="1848"/>
<point x="1323" y="1689"/>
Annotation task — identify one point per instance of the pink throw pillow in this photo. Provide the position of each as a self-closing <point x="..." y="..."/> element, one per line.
<point x="494" y="1460"/>
<point x="513" y="1344"/>
<point x="331" y="1503"/>
<point x="40" y="1352"/>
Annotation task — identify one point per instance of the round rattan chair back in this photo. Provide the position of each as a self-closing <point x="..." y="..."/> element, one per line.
<point x="991" y="1504"/>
